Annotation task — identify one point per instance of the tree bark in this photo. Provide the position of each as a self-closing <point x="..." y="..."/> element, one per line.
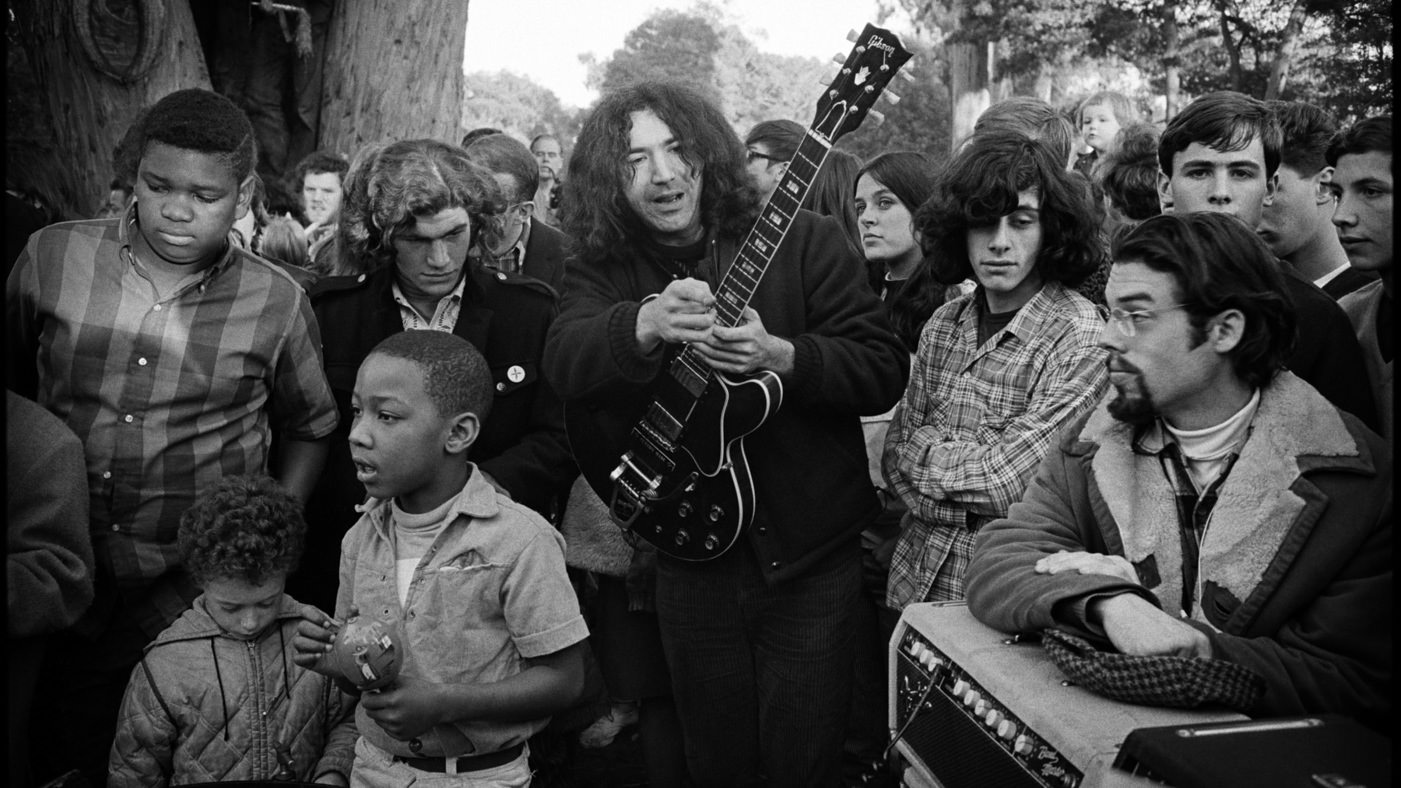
<point x="393" y="71"/>
<point x="968" y="88"/>
<point x="1232" y="46"/>
<point x="1288" y="46"/>
<point x="1171" y="63"/>
<point x="91" y="111"/>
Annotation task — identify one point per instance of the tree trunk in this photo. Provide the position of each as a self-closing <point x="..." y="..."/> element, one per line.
<point x="90" y="111"/>
<point x="1288" y="46"/>
<point x="968" y="88"/>
<point x="1171" y="64"/>
<point x="394" y="71"/>
<point x="1232" y="46"/>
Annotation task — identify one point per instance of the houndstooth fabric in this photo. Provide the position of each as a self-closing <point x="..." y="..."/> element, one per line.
<point x="1178" y="682"/>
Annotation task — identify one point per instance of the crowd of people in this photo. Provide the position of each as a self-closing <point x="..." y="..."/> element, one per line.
<point x="1127" y="380"/>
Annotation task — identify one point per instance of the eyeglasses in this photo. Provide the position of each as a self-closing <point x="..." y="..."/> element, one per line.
<point x="1128" y="322"/>
<point x="753" y="154"/>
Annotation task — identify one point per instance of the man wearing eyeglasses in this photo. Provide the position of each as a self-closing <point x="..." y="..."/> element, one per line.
<point x="770" y="145"/>
<point x="1221" y="154"/>
<point x="1213" y="505"/>
<point x="518" y="245"/>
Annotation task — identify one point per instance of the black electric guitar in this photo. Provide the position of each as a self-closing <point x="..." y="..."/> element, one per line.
<point x="676" y="474"/>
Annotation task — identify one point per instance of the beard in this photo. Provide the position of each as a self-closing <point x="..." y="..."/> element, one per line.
<point x="1132" y="403"/>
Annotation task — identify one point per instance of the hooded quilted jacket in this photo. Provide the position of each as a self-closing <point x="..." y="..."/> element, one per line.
<point x="204" y="707"/>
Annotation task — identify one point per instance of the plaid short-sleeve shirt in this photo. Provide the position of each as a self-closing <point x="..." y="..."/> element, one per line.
<point x="168" y="394"/>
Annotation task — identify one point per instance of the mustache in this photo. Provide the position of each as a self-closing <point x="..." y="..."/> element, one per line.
<point x="1116" y="363"/>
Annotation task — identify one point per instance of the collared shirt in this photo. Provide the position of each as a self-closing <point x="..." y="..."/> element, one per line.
<point x="975" y="422"/>
<point x="168" y="393"/>
<point x="491" y="593"/>
<point x="512" y="261"/>
<point x="444" y="316"/>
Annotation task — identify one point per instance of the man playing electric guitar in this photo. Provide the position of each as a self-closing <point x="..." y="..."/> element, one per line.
<point x="756" y="639"/>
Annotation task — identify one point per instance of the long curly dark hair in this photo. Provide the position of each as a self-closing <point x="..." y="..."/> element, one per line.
<point x="596" y="214"/>
<point x="980" y="185"/>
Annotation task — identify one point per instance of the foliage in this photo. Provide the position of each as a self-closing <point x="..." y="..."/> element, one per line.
<point x="515" y="104"/>
<point x="1336" y="53"/>
<point x="700" y="48"/>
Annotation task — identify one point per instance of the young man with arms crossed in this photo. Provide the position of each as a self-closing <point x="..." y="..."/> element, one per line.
<point x="999" y="371"/>
<point x="757" y="640"/>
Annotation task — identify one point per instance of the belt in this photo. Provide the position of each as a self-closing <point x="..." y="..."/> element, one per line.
<point x="466" y="763"/>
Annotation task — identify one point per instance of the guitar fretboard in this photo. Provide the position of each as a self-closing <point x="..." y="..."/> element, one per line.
<point x="737" y="286"/>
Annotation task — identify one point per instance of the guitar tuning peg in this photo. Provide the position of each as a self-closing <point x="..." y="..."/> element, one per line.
<point x="877" y="117"/>
<point x="839" y="59"/>
<point x="851" y="35"/>
<point x="892" y="97"/>
<point x="907" y="76"/>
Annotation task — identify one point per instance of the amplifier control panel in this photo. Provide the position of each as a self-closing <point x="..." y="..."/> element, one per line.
<point x="922" y="670"/>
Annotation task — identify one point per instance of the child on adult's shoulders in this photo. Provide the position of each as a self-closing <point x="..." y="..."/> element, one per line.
<point x="217" y="696"/>
<point x="475" y="582"/>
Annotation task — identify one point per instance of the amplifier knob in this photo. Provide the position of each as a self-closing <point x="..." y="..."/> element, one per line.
<point x="980" y="708"/>
<point x="1007" y="730"/>
<point x="971" y="697"/>
<point x="917" y="652"/>
<point x="960" y="688"/>
<point x="931" y="661"/>
<point x="1022" y="746"/>
<point x="993" y="718"/>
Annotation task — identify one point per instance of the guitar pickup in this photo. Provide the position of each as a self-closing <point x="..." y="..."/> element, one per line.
<point x="659" y="419"/>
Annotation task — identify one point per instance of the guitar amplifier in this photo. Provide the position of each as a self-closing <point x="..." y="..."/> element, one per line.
<point x="971" y="707"/>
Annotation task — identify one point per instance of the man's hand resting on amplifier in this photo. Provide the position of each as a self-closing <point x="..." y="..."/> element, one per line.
<point x="1088" y="564"/>
<point x="1135" y="626"/>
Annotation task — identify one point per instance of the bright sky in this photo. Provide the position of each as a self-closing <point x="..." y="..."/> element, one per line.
<point x="543" y="39"/>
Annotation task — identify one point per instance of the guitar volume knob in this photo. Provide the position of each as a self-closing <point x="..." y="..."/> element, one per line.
<point x="716" y="513"/>
<point x="684" y="510"/>
<point x="682" y="537"/>
<point x="711" y="542"/>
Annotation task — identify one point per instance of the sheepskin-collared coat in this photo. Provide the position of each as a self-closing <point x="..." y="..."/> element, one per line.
<point x="1295" y="566"/>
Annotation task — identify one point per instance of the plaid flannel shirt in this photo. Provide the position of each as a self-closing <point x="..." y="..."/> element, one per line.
<point x="168" y="395"/>
<point x="975" y="422"/>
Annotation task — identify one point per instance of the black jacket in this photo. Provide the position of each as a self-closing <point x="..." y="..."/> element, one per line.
<point x="808" y="460"/>
<point x="522" y="443"/>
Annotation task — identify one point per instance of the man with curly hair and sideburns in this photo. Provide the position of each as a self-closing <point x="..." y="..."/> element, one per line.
<point x="217" y="696"/>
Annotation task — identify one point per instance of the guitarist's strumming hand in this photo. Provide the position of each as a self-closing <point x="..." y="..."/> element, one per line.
<point x="746" y="348"/>
<point x="679" y="314"/>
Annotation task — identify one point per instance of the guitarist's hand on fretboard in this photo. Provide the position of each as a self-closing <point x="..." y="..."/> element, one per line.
<point x="747" y="348"/>
<point x="680" y="314"/>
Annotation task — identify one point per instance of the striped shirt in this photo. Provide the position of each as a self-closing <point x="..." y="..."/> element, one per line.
<point x="975" y="422"/>
<point x="168" y="394"/>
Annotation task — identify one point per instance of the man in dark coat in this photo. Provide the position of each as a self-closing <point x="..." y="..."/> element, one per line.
<point x="413" y="209"/>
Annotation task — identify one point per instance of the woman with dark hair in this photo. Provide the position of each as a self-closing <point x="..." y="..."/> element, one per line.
<point x="888" y="191"/>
